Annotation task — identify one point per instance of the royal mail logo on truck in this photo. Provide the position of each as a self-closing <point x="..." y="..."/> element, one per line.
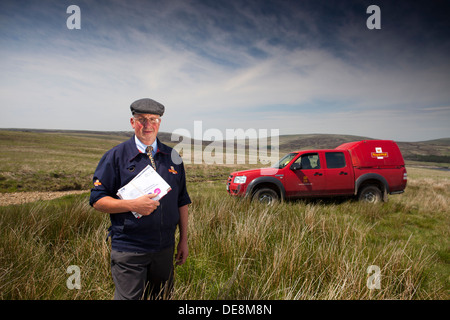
<point x="351" y="169"/>
<point x="379" y="154"/>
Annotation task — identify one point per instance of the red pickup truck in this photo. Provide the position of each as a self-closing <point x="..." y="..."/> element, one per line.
<point x="368" y="169"/>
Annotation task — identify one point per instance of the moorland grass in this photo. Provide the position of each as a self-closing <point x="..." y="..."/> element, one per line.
<point x="32" y="161"/>
<point x="240" y="250"/>
<point x="303" y="249"/>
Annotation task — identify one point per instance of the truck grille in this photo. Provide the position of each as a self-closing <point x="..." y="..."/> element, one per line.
<point x="230" y="179"/>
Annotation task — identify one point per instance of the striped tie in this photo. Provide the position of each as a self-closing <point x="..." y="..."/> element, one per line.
<point x="149" y="151"/>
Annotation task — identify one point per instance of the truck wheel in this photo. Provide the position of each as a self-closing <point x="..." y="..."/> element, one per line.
<point x="370" y="194"/>
<point x="266" y="196"/>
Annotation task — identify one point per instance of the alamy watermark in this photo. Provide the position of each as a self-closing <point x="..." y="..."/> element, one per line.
<point x="74" y="281"/>
<point x="374" y="280"/>
<point x="74" y="20"/>
<point x="234" y="146"/>
<point x="372" y="22"/>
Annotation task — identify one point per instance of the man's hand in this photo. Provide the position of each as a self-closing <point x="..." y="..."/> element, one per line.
<point x="182" y="248"/>
<point x="145" y="205"/>
<point x="182" y="253"/>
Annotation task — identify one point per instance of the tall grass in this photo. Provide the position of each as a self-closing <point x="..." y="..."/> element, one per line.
<point x="241" y="250"/>
<point x="295" y="250"/>
<point x="40" y="241"/>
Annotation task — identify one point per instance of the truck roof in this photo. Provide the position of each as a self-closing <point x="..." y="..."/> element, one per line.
<point x="374" y="153"/>
<point x="312" y="150"/>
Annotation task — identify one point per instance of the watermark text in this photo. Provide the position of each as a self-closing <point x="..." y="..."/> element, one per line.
<point x="235" y="146"/>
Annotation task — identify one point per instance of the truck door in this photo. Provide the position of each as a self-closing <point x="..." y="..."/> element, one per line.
<point x="308" y="178"/>
<point x="339" y="173"/>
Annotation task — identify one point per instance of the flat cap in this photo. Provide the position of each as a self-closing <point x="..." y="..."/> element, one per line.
<point x="147" y="105"/>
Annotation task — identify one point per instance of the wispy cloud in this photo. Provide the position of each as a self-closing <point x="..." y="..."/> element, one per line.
<point x="298" y="66"/>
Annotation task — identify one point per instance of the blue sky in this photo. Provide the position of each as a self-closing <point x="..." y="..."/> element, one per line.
<point x="297" y="66"/>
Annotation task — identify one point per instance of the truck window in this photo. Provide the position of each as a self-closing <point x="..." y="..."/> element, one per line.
<point x="335" y="160"/>
<point x="285" y="160"/>
<point x="309" y="161"/>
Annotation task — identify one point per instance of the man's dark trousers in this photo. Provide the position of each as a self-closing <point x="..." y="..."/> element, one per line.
<point x="142" y="275"/>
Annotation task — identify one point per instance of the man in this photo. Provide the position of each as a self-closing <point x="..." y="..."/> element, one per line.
<point x="142" y="248"/>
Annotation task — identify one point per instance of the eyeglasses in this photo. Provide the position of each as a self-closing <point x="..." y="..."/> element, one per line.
<point x="143" y="120"/>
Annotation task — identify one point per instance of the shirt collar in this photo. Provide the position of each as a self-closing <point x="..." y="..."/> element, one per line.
<point x="142" y="147"/>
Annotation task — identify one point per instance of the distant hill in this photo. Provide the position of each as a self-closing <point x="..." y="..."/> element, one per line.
<point x="437" y="150"/>
<point x="315" y="141"/>
<point x="438" y="142"/>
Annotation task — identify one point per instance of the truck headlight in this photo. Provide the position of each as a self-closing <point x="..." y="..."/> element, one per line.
<point x="240" y="179"/>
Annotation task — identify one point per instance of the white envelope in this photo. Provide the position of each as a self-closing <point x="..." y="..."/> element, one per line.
<point x="146" y="182"/>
